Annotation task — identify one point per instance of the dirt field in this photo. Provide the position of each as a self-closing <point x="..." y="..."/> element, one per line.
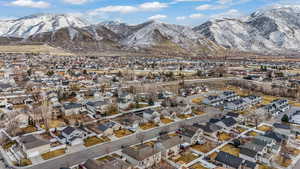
<point x="43" y="49"/>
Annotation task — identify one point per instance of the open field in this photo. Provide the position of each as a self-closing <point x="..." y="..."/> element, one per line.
<point x="44" y="49"/>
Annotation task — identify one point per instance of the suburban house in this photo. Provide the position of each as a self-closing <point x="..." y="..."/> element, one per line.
<point x="34" y="146"/>
<point x="227" y="122"/>
<point x="97" y="106"/>
<point x="72" y="108"/>
<point x="253" y="100"/>
<point x="108" y="128"/>
<point x="73" y="136"/>
<point x="235" y="105"/>
<point x="190" y="134"/>
<point x="151" y="115"/>
<point x="232" y="162"/>
<point x="209" y="129"/>
<point x="114" y="163"/>
<point x="229" y="161"/>
<point x="229" y="96"/>
<point x="276" y="136"/>
<point x="142" y="156"/>
<point x="277" y="107"/>
<point x="213" y="100"/>
<point x="234" y="115"/>
<point x="282" y="128"/>
<point x="169" y="146"/>
<point x="258" y="149"/>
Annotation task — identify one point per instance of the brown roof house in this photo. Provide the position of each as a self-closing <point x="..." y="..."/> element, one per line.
<point x="34" y="146"/>
<point x="142" y="156"/>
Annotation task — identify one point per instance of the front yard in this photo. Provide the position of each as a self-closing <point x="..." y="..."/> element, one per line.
<point x="223" y="136"/>
<point x="23" y="162"/>
<point x="88" y="142"/>
<point x="231" y="150"/>
<point x="53" y="154"/>
<point x="166" y="120"/>
<point x="264" y="128"/>
<point x="186" y="158"/>
<point x="252" y="133"/>
<point x="197" y="100"/>
<point x="206" y="147"/>
<point x="282" y="161"/>
<point x="148" y="125"/>
<point x="122" y="132"/>
<point x="184" y="116"/>
<point x="197" y="166"/>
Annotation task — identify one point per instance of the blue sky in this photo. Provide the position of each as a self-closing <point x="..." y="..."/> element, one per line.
<point x="185" y="12"/>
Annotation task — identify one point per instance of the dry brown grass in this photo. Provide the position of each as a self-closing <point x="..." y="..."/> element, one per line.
<point x="44" y="49"/>
<point x="88" y="142"/>
<point x="283" y="161"/>
<point x="53" y="154"/>
<point x="197" y="166"/>
<point x="231" y="150"/>
<point x="122" y="133"/>
<point x="206" y="147"/>
<point x="252" y="133"/>
<point x="166" y="120"/>
<point x="264" y="128"/>
<point x="223" y="136"/>
<point x="186" y="158"/>
<point x="148" y="125"/>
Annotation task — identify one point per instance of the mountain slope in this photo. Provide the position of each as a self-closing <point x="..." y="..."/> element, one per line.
<point x="74" y="38"/>
<point x="35" y="24"/>
<point x="275" y="29"/>
<point x="157" y="34"/>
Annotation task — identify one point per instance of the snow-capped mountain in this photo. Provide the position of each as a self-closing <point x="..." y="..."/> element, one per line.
<point x="275" y="29"/>
<point x="154" y="33"/>
<point x="35" y="24"/>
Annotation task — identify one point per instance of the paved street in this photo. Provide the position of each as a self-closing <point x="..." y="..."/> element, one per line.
<point x="98" y="150"/>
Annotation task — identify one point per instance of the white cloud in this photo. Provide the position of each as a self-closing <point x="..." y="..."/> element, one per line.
<point x="232" y="13"/>
<point x="120" y="9"/>
<point x="180" y="18"/>
<point x="149" y="6"/>
<point x="76" y="2"/>
<point x="196" y="16"/>
<point x="209" y="7"/>
<point x="224" y="1"/>
<point x="157" y="17"/>
<point x="30" y="4"/>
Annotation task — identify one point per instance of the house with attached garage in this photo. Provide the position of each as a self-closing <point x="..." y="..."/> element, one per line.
<point x="277" y="107"/>
<point x="227" y="122"/>
<point x="142" y="156"/>
<point x="190" y="134"/>
<point x="253" y="100"/>
<point x="229" y="96"/>
<point x="34" y="146"/>
<point x="259" y="149"/>
<point x="151" y="115"/>
<point x="169" y="145"/>
<point x="72" y="108"/>
<point x="99" y="106"/>
<point x="209" y="129"/>
<point x="236" y="105"/>
<point x="213" y="100"/>
<point x="229" y="161"/>
<point x="108" y="128"/>
<point x="73" y="136"/>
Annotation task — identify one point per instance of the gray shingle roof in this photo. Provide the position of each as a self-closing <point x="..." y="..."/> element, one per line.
<point x="229" y="159"/>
